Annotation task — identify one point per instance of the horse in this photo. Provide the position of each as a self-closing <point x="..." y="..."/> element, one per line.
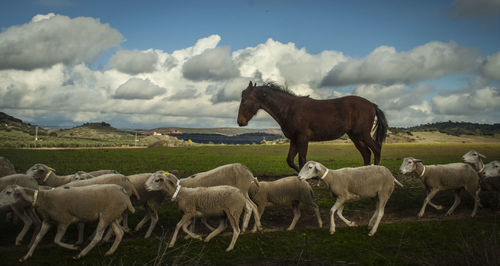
<point x="303" y="119"/>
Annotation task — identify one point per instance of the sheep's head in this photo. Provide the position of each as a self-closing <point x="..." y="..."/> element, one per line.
<point x="39" y="172"/>
<point x="311" y="170"/>
<point x="472" y="157"/>
<point x="8" y="196"/>
<point x="491" y="169"/>
<point x="161" y="180"/>
<point x="81" y="175"/>
<point x="409" y="165"/>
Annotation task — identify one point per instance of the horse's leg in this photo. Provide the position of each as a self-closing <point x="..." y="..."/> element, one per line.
<point x="302" y="146"/>
<point x="376" y="149"/>
<point x="362" y="148"/>
<point x="291" y="155"/>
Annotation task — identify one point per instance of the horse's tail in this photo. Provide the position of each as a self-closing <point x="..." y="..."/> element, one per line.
<point x="381" y="126"/>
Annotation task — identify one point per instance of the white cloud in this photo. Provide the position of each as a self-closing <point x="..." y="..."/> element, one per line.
<point x="491" y="67"/>
<point x="481" y="101"/>
<point x="138" y="89"/>
<point x="387" y="66"/>
<point x="51" y="39"/>
<point x="201" y="85"/>
<point x="134" y="62"/>
<point x="213" y="64"/>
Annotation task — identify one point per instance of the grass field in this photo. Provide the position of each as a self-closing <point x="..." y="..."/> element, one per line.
<point x="401" y="238"/>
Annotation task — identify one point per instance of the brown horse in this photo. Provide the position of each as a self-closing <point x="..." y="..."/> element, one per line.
<point x="303" y="119"/>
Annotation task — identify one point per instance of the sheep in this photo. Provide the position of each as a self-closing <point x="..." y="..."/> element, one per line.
<point x="443" y="177"/>
<point x="236" y="175"/>
<point x="46" y="176"/>
<point x="285" y="191"/>
<point x="474" y="158"/>
<point x="82" y="175"/>
<point x="117" y="179"/>
<point x="25" y="212"/>
<point x="491" y="176"/>
<point x="6" y="167"/>
<point x="64" y="206"/>
<point x="350" y="184"/>
<point x="218" y="201"/>
<point x="151" y="200"/>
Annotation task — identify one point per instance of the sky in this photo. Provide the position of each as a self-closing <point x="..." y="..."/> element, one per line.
<point x="148" y="64"/>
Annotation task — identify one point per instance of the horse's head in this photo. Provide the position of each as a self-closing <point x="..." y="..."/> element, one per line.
<point x="249" y="105"/>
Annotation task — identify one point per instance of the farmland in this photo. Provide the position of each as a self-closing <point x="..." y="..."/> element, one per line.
<point x="401" y="238"/>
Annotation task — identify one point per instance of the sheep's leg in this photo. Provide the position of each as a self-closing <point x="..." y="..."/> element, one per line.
<point x="153" y="213"/>
<point x="380" y="214"/>
<point x="205" y="222"/>
<point x="81" y="231"/>
<point x="316" y="212"/>
<point x="99" y="231"/>
<point x="256" y="215"/>
<point x="296" y="216"/>
<point x="435" y="206"/>
<point x="455" y="204"/>
<point x="125" y="227"/>
<point x="236" y="230"/>
<point x="349" y="223"/>
<point x="260" y="209"/>
<point x="477" y="201"/>
<point x="246" y="217"/>
<point x="43" y="230"/>
<point x="36" y="221"/>
<point x="427" y="199"/>
<point x="186" y="218"/>
<point x="118" y="237"/>
<point x="144" y="220"/>
<point x="21" y="213"/>
<point x="61" y="230"/>
<point x="191" y="234"/>
<point x="374" y="216"/>
<point x="339" y="203"/>
<point x="222" y="226"/>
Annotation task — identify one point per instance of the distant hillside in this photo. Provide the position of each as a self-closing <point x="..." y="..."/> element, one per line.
<point x="226" y="131"/>
<point x="454" y="128"/>
<point x="100" y="130"/>
<point x="10" y="123"/>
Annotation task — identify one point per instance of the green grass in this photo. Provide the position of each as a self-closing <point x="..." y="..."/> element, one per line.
<point x="464" y="241"/>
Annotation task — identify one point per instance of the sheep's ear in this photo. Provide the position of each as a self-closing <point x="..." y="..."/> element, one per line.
<point x="482" y="156"/>
<point x="417" y="161"/>
<point x="317" y="166"/>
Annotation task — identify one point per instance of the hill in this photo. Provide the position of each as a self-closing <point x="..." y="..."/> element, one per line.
<point x="454" y="128"/>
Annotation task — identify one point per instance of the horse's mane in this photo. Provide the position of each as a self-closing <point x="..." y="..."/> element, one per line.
<point x="273" y="86"/>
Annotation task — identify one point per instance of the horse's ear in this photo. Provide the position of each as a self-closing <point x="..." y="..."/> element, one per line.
<point x="250" y="84"/>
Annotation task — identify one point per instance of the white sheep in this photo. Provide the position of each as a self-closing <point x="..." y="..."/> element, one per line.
<point x="444" y="177"/>
<point x="151" y="200"/>
<point x="25" y="212"/>
<point x="286" y="191"/>
<point x="474" y="158"/>
<point x="214" y="201"/>
<point x="64" y="206"/>
<point x="46" y="176"/>
<point x="236" y="175"/>
<point x="491" y="176"/>
<point x="350" y="184"/>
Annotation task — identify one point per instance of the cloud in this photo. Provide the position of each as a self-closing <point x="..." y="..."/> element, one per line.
<point x="212" y="64"/>
<point x="138" y="89"/>
<point x="187" y="93"/>
<point x="387" y="66"/>
<point x="394" y="97"/>
<point x="475" y="8"/>
<point x="491" y="67"/>
<point x="51" y="39"/>
<point x="480" y="101"/>
<point x="133" y="61"/>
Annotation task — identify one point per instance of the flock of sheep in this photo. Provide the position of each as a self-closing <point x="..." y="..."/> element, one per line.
<point x="42" y="198"/>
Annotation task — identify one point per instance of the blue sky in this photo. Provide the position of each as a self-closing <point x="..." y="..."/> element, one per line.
<point x="144" y="64"/>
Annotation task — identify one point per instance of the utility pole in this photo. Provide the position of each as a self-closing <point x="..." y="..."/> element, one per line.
<point x="36" y="133"/>
<point x="135" y="142"/>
